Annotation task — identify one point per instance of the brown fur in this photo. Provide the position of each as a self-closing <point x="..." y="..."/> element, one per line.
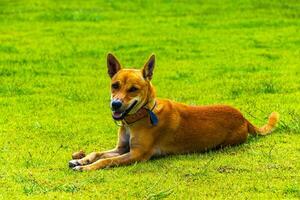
<point x="181" y="128"/>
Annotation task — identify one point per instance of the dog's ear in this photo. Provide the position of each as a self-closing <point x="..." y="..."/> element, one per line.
<point x="113" y="65"/>
<point x="149" y="67"/>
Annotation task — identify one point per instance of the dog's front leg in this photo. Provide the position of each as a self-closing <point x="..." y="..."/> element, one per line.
<point x="94" y="156"/>
<point x="122" y="147"/>
<point x="141" y="149"/>
<point x="125" y="159"/>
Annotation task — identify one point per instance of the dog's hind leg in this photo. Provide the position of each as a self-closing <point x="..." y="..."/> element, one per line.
<point x="237" y="136"/>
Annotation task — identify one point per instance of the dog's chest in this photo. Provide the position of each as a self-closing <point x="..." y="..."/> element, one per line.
<point x="127" y="135"/>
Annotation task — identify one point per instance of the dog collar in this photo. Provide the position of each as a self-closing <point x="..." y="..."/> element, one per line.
<point x="140" y="114"/>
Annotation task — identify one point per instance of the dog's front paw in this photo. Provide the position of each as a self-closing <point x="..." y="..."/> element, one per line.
<point x="78" y="168"/>
<point x="74" y="163"/>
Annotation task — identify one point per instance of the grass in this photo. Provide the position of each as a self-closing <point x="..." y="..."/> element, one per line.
<point x="54" y="94"/>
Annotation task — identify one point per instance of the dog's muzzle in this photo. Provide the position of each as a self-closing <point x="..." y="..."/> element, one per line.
<point x="119" y="115"/>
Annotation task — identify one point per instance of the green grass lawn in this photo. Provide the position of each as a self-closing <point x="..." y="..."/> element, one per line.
<point x="54" y="94"/>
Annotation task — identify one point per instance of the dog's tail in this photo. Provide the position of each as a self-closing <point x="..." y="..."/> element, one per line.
<point x="267" y="128"/>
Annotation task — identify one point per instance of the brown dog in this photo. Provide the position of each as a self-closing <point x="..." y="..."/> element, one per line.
<point x="153" y="127"/>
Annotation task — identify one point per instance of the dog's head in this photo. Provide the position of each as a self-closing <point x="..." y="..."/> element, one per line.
<point x="130" y="88"/>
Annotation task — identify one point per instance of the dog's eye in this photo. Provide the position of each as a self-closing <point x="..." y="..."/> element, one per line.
<point x="132" y="89"/>
<point x="115" y="86"/>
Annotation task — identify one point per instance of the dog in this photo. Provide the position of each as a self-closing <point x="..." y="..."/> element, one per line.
<point x="155" y="127"/>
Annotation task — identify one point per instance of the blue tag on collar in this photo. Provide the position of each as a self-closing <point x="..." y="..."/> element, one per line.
<point x="153" y="117"/>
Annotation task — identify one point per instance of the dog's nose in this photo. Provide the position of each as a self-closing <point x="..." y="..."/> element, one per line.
<point x="116" y="104"/>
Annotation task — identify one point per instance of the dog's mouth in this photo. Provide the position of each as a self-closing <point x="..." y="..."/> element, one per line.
<point x="119" y="115"/>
